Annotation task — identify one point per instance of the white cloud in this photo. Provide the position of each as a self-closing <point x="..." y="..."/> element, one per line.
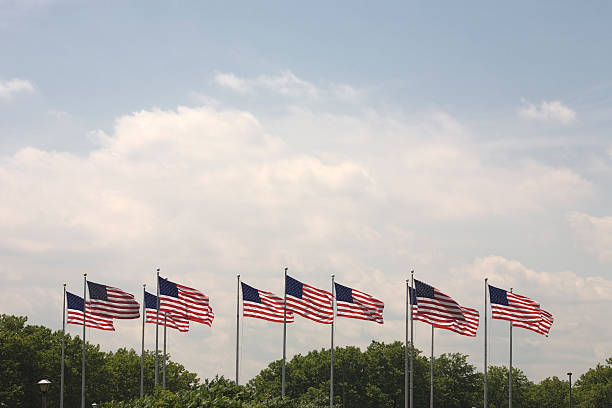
<point x="553" y="111"/>
<point x="287" y="84"/>
<point x="594" y="233"/>
<point x="11" y="87"/>
<point x="206" y="193"/>
<point x="231" y="81"/>
<point x="578" y="303"/>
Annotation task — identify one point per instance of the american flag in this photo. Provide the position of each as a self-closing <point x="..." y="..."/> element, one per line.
<point x="358" y="305"/>
<point x="432" y="306"/>
<point x="172" y="321"/>
<point x="512" y="307"/>
<point x="263" y="305"/>
<point x="185" y="302"/>
<point x="542" y="327"/>
<point x="74" y="313"/>
<point x="308" y="301"/>
<point x="112" y="303"/>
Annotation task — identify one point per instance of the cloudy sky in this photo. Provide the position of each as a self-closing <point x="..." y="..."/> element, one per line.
<point x="347" y="138"/>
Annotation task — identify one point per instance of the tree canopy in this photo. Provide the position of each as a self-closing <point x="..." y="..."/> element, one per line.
<point x="368" y="378"/>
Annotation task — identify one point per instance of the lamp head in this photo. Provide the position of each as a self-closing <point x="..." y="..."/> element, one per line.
<point x="44" y="385"/>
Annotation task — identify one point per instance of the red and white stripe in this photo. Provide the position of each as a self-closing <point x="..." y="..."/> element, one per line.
<point x="270" y="308"/>
<point x="316" y="304"/>
<point x="445" y="313"/>
<point x="172" y="321"/>
<point x="120" y="305"/>
<point x="520" y="309"/>
<point x="191" y="305"/>
<point x="364" y="306"/>
<point x="95" y="322"/>
<point x="542" y="326"/>
<point x="468" y="326"/>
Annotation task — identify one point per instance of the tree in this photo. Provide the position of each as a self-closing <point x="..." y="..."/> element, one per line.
<point x="497" y="381"/>
<point x="551" y="392"/>
<point x="594" y="388"/>
<point x="456" y="383"/>
<point x="29" y="353"/>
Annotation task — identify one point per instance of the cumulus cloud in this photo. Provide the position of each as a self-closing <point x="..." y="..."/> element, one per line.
<point x="206" y="193"/>
<point x="11" y="87"/>
<point x="594" y="234"/>
<point x="578" y="303"/>
<point x="553" y="111"/>
<point x="286" y="84"/>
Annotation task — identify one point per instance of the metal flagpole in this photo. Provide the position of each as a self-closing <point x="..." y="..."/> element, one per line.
<point x="486" y="286"/>
<point x="63" y="348"/>
<point x="406" y="352"/>
<point x="237" y="325"/>
<point x="144" y="286"/>
<point x="431" y="368"/>
<point x="331" y="350"/>
<point x="510" y="371"/>
<point x="157" y="333"/>
<point x="83" y="356"/>
<point x="284" y="337"/>
<point x="412" y="344"/>
<point x="164" y="359"/>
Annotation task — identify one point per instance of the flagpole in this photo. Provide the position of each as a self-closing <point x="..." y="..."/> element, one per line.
<point x="331" y="354"/>
<point x="164" y="359"/>
<point x="406" y="353"/>
<point x="284" y="337"/>
<point x="83" y="355"/>
<point x="157" y="334"/>
<point x="411" y="344"/>
<point x="485" y="342"/>
<point x="144" y="286"/>
<point x="510" y="371"/>
<point x="431" y="368"/>
<point x="237" y="325"/>
<point x="63" y="347"/>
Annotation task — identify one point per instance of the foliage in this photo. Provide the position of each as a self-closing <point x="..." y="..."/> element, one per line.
<point x="594" y="388"/>
<point x="370" y="378"/>
<point x="30" y="353"/>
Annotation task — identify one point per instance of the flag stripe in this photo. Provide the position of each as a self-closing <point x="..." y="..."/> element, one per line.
<point x="270" y="307"/>
<point x="118" y="305"/>
<point x="442" y="311"/>
<point x="315" y="304"/>
<point x="76" y="317"/>
<point x="363" y="306"/>
<point x="519" y="308"/>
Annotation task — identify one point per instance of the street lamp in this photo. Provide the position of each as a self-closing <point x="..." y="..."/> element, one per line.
<point x="94" y="405"/>
<point x="44" y="387"/>
<point x="570" y="389"/>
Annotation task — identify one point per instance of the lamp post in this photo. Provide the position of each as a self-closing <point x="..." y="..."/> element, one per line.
<point x="570" y="389"/>
<point x="44" y="387"/>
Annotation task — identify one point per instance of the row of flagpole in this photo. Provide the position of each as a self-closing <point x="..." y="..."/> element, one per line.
<point x="421" y="291"/>
<point x="83" y="357"/>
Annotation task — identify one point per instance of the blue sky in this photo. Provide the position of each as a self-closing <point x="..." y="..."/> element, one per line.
<point x="365" y="140"/>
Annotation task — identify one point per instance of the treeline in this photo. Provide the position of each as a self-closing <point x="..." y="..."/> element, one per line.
<point x="372" y="378"/>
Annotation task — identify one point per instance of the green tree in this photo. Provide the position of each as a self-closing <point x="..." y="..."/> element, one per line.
<point x="551" y="393"/>
<point x="456" y="383"/>
<point x="29" y="353"/>
<point x="497" y="385"/>
<point x="594" y="388"/>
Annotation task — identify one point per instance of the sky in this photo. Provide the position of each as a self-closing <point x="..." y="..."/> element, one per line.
<point x="360" y="139"/>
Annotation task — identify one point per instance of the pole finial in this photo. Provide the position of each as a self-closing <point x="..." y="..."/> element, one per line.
<point x="64" y="284"/>
<point x="286" y="269"/>
<point x="157" y="269"/>
<point x="144" y="285"/>
<point x="238" y="275"/>
<point x="85" y="274"/>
